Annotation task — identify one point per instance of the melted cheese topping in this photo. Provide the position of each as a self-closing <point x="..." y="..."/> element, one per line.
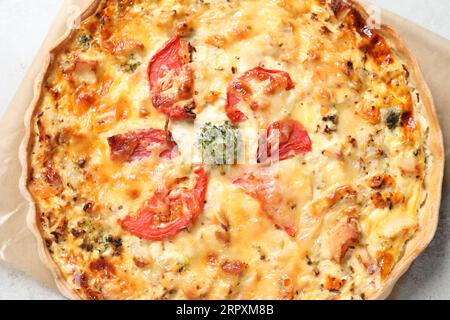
<point x="355" y="196"/>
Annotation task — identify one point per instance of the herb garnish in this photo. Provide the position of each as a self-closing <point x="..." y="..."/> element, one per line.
<point x="219" y="143"/>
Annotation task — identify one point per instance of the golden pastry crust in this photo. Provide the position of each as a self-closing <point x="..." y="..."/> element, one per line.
<point x="318" y="274"/>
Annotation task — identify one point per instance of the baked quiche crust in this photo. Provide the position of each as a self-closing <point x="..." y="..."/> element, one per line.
<point x="356" y="196"/>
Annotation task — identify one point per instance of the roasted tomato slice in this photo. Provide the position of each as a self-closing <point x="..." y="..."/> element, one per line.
<point x="288" y="137"/>
<point x="172" y="80"/>
<point x="265" y="189"/>
<point x="170" y="210"/>
<point x="136" y="145"/>
<point x="240" y="90"/>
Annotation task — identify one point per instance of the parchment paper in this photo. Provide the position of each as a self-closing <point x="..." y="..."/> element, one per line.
<point x="18" y="245"/>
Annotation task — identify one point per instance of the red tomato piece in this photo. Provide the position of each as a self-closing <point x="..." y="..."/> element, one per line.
<point x="172" y="80"/>
<point x="136" y="145"/>
<point x="263" y="188"/>
<point x="170" y="210"/>
<point x="240" y="91"/>
<point x="288" y="136"/>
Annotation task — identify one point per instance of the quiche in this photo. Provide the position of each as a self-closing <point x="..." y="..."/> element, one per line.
<point x="264" y="149"/>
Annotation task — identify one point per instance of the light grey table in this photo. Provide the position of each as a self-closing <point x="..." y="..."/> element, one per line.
<point x="23" y="26"/>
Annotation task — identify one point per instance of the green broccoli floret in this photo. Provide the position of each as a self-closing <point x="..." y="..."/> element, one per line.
<point x="84" y="41"/>
<point x="219" y="143"/>
<point x="132" y="64"/>
<point x="392" y="118"/>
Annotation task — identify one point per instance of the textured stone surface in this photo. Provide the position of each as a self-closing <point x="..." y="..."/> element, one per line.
<point x="23" y="26"/>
